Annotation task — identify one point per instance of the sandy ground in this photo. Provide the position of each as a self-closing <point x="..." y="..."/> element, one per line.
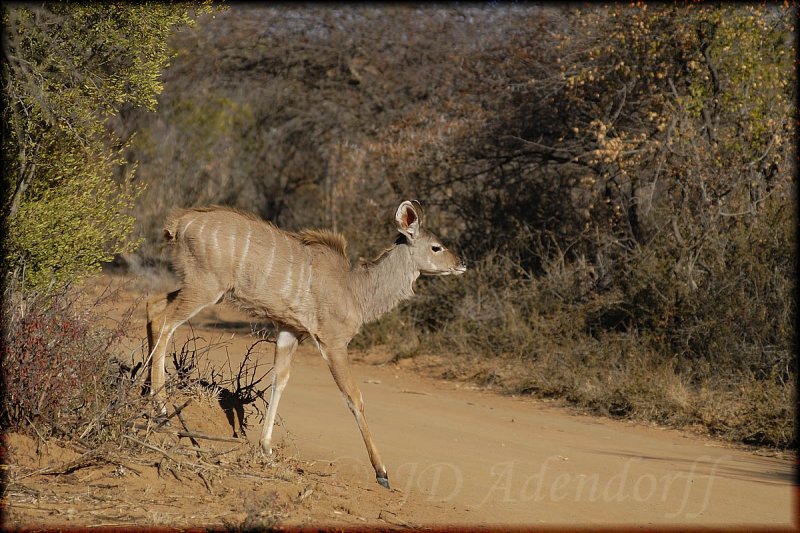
<point x="455" y="455"/>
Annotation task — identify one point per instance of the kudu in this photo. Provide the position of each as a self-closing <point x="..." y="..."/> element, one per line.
<point x="302" y="282"/>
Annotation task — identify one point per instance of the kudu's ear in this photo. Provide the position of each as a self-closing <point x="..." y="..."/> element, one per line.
<point x="408" y="219"/>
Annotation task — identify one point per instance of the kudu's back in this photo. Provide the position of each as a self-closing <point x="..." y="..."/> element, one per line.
<point x="269" y="272"/>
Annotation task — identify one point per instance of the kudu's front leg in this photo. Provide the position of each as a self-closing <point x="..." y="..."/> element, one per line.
<point x="285" y="346"/>
<point x="337" y="360"/>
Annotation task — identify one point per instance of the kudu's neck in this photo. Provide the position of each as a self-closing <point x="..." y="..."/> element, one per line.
<point x="381" y="285"/>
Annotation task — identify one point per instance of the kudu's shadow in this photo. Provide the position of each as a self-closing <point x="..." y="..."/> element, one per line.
<point x="243" y="387"/>
<point x="233" y="407"/>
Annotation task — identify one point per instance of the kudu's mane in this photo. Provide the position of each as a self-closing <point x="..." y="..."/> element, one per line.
<point x="324" y="237"/>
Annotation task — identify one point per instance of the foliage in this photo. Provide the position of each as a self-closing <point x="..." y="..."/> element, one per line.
<point x="63" y="375"/>
<point x="619" y="178"/>
<point x="639" y="168"/>
<point x="304" y="90"/>
<point x="68" y="68"/>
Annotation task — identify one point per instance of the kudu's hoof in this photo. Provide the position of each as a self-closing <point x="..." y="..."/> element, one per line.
<point x="160" y="421"/>
<point x="383" y="482"/>
<point x="265" y="451"/>
<point x="162" y="417"/>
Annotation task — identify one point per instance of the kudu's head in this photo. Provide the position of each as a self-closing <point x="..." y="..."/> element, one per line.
<point x="430" y="256"/>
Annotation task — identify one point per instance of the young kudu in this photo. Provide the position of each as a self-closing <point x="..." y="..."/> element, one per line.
<point x="303" y="282"/>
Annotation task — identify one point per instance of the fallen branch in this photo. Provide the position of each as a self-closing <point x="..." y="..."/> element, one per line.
<point x="196" y="435"/>
<point x="206" y="481"/>
<point x="30" y="474"/>
<point x="154" y="429"/>
<point x="392" y="518"/>
<point x="406" y="391"/>
<point x="254" y="476"/>
<point x="186" y="427"/>
<point x="161" y="421"/>
<point x="32" y="507"/>
<point x="151" y="447"/>
<point x="210" y="451"/>
<point x="223" y="452"/>
<point x="177" y="412"/>
<point x="90" y="458"/>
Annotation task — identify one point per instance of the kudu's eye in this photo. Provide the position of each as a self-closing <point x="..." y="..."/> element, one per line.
<point x="436" y="248"/>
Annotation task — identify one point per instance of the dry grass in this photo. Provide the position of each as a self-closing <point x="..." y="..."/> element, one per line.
<point x="555" y="336"/>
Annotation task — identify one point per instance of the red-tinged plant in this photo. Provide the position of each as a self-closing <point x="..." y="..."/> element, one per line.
<point x="56" y="366"/>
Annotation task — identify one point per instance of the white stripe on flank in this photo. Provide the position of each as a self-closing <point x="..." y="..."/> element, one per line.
<point x="200" y="231"/>
<point x="268" y="267"/>
<point x="286" y="290"/>
<point x="297" y="297"/>
<point x="214" y="239"/>
<point x="183" y="232"/>
<point x="231" y="243"/>
<point x="243" y="256"/>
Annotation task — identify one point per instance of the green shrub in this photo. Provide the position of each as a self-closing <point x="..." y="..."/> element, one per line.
<point x="71" y="68"/>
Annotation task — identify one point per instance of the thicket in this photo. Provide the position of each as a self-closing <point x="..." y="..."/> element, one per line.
<point x="619" y="178"/>
<point x="67" y="70"/>
<point x="636" y="179"/>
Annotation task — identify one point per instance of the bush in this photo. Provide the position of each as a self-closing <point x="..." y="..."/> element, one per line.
<point x="71" y="68"/>
<point x="58" y="364"/>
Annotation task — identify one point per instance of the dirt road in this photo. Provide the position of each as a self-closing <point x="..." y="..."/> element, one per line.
<point x="455" y="455"/>
<point x="519" y="461"/>
<point x="479" y="457"/>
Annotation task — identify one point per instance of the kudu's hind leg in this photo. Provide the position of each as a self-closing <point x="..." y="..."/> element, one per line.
<point x="284" y="348"/>
<point x="164" y="315"/>
<point x="155" y="308"/>
<point x="339" y="366"/>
